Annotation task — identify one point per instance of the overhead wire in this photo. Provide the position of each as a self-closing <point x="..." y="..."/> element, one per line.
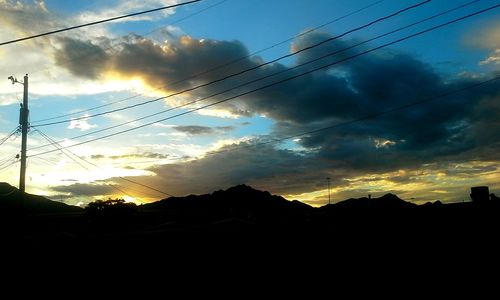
<point x="366" y="117"/>
<point x="287" y="79"/>
<point x="9" y="165"/>
<point x="277" y="73"/>
<point x="296" y="52"/>
<point x="229" y="63"/>
<point x="363" y="118"/>
<point x="79" y="57"/>
<point x="61" y="148"/>
<point x="6" y="138"/>
<point x="96" y="22"/>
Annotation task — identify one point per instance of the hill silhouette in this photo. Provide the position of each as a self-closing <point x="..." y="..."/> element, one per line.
<point x="240" y="197"/>
<point x="241" y="205"/>
<point x="386" y="202"/>
<point x="241" y="209"/>
<point x="10" y="202"/>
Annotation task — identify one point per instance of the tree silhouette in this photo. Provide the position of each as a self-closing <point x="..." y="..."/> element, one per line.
<point x="110" y="207"/>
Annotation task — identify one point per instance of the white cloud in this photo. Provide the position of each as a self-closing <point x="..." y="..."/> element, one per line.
<point x="163" y="125"/>
<point x="8" y="99"/>
<point x="23" y="18"/>
<point x="127" y="7"/>
<point x="487" y="37"/>
<point x="383" y="143"/>
<point x="81" y="124"/>
<point x="494" y="58"/>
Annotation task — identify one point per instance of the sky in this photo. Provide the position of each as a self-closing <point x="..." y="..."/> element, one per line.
<point x="265" y="134"/>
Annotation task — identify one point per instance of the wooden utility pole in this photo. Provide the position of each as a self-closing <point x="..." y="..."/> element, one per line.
<point x="23" y="121"/>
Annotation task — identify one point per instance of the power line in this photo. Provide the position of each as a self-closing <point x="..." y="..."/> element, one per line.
<point x="285" y="80"/>
<point x="141" y="184"/>
<point x="6" y="138"/>
<point x="9" y="165"/>
<point x="61" y="148"/>
<point x="5" y="160"/>
<point x="115" y="45"/>
<point x="219" y="66"/>
<point x="96" y="22"/>
<point x="246" y="70"/>
<point x="8" y="160"/>
<point x="272" y="84"/>
<point x="366" y="117"/>
<point x="46" y="161"/>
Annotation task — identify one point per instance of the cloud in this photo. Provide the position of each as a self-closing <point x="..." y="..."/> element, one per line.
<point x="85" y="189"/>
<point x="494" y="58"/>
<point x="127" y="7"/>
<point x="450" y="129"/>
<point x="259" y="168"/>
<point x="23" y="18"/>
<point x="295" y="173"/>
<point x="202" y="130"/>
<point x="486" y="37"/>
<point x="141" y="155"/>
<point x="9" y="99"/>
<point x="371" y="83"/>
<point x="73" y="49"/>
<point x="132" y="155"/>
<point x="81" y="124"/>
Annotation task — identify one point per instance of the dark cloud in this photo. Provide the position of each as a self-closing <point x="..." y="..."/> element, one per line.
<point x="458" y="127"/>
<point x="194" y="130"/>
<point x="133" y="155"/>
<point x="95" y="58"/>
<point x="27" y="17"/>
<point x="292" y="172"/>
<point x="262" y="166"/>
<point x="84" y="189"/>
<point x="202" y="130"/>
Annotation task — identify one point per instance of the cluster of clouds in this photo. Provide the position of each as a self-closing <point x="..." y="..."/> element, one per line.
<point x="25" y="18"/>
<point x="461" y="127"/>
<point x="487" y="38"/>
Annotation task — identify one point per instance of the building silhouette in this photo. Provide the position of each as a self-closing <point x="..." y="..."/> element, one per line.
<point x="480" y="194"/>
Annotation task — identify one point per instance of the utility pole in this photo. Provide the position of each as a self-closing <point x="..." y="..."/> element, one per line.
<point x="328" y="179"/>
<point x="23" y="121"/>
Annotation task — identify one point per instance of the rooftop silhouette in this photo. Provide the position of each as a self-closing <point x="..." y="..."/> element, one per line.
<point x="238" y="209"/>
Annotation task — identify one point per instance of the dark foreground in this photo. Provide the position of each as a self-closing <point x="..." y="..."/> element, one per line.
<point x="244" y="215"/>
<point x="158" y="228"/>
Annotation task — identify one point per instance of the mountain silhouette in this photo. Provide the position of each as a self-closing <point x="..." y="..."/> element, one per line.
<point x="237" y="209"/>
<point x="386" y="202"/>
<point x="240" y="204"/>
<point x="10" y="202"/>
